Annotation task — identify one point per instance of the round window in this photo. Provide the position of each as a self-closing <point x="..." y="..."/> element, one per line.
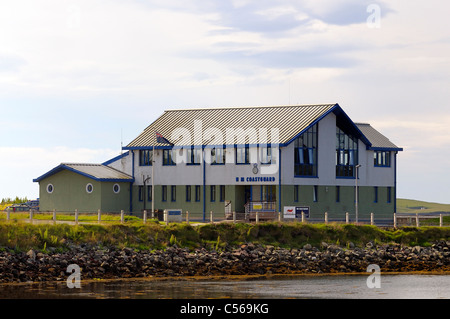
<point x="116" y="188"/>
<point x="89" y="188"/>
<point x="50" y="188"/>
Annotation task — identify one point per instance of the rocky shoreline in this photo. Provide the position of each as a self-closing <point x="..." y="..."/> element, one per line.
<point x="250" y="259"/>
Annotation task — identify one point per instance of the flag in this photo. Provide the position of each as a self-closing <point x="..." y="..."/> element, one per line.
<point x="161" y="139"/>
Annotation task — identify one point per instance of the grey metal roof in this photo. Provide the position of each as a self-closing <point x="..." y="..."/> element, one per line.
<point x="378" y="140"/>
<point x="215" y="124"/>
<point x="97" y="172"/>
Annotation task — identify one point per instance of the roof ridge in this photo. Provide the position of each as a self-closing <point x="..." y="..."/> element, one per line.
<point x="250" y="107"/>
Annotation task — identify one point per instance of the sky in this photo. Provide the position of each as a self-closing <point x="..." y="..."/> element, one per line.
<point x="78" y="78"/>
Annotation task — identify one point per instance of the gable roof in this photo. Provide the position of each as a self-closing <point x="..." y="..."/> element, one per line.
<point x="377" y="140"/>
<point x="96" y="172"/>
<point x="236" y="125"/>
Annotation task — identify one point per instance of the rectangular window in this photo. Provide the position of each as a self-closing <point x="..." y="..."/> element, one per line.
<point x="194" y="156"/>
<point x="149" y="193"/>
<point x="169" y="157"/>
<point x="296" y="193"/>
<point x="242" y="154"/>
<point x="213" y="193"/>
<point x="173" y="193"/>
<point x="164" y="193"/>
<point x="145" y="157"/>
<point x="346" y="154"/>
<point x="382" y="159"/>
<point x="375" y="194"/>
<point x="218" y="156"/>
<point x="197" y="193"/>
<point x="266" y="154"/>
<point x="305" y="153"/>
<point x="188" y="193"/>
<point x="222" y="193"/>
<point x="338" y="194"/>
<point x="389" y="195"/>
<point x="141" y="193"/>
<point x="316" y="194"/>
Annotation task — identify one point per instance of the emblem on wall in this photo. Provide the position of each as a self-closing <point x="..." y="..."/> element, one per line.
<point x="255" y="169"/>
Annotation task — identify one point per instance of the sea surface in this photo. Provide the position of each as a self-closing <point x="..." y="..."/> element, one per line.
<point x="292" y="287"/>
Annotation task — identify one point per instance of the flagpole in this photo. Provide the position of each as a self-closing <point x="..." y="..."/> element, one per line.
<point x="153" y="180"/>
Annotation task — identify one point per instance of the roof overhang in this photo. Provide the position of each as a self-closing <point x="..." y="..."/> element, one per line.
<point x="63" y="167"/>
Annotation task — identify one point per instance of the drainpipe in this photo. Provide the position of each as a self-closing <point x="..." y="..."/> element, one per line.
<point x="279" y="178"/>
<point x="204" y="184"/>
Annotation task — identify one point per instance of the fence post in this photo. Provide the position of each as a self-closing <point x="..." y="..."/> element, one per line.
<point x="326" y="217"/>
<point x="303" y="217"/>
<point x="257" y="217"/>
<point x="347" y="218"/>
<point x="145" y="216"/>
<point x="76" y="216"/>
<point x="99" y="216"/>
<point x="187" y="217"/>
<point x="234" y="217"/>
<point x="279" y="216"/>
<point x="166" y="217"/>
<point x="211" y="218"/>
<point x="371" y="219"/>
<point x="395" y="220"/>
<point x="8" y="214"/>
<point x="441" y="220"/>
<point x="54" y="216"/>
<point x="122" y="215"/>
<point x="417" y="220"/>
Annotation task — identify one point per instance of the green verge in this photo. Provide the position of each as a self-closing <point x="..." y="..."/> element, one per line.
<point x="22" y="236"/>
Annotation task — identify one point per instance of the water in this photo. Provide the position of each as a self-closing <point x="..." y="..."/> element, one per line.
<point x="298" y="287"/>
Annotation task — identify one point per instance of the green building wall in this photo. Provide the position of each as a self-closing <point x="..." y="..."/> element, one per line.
<point x="326" y="201"/>
<point x="70" y="193"/>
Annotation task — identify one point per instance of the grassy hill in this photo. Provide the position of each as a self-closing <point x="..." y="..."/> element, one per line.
<point x="416" y="206"/>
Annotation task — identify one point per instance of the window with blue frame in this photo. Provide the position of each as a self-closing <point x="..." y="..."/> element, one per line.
<point x="346" y="154"/>
<point x="213" y="193"/>
<point x="242" y="154"/>
<point x="305" y="154"/>
<point x="145" y="157"/>
<point x="164" y="193"/>
<point x="382" y="158"/>
<point x="149" y="193"/>
<point x="173" y="193"/>
<point x="141" y="193"/>
<point x="194" y="156"/>
<point x="375" y="193"/>
<point x="218" y="156"/>
<point x="266" y="154"/>
<point x="188" y="193"/>
<point x="169" y="157"/>
<point x="338" y="194"/>
<point x="222" y="193"/>
<point x="197" y="193"/>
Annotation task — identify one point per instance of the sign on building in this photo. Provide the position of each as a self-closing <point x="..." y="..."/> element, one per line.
<point x="295" y="212"/>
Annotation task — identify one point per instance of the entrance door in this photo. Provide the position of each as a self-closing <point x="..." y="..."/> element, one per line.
<point x="248" y="193"/>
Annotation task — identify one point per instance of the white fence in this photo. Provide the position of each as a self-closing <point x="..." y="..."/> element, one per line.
<point x="399" y="219"/>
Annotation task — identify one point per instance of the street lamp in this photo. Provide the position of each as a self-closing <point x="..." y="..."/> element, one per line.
<point x="356" y="192"/>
